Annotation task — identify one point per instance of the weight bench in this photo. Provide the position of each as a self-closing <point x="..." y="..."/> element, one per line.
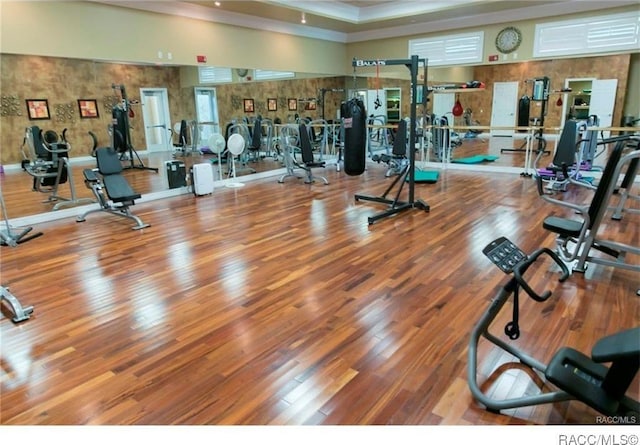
<point x="397" y="160"/>
<point x="114" y="193"/>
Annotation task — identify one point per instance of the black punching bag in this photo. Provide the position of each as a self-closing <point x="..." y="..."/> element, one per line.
<point x="355" y="136"/>
<point x="523" y="111"/>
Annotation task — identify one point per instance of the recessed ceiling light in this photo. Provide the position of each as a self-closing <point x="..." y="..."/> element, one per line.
<point x="303" y="20"/>
<point x="217" y="3"/>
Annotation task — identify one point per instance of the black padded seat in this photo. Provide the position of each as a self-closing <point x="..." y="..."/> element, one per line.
<point x="399" y="150"/>
<point x="600" y="387"/>
<point x="562" y="226"/>
<point x="623" y="345"/>
<point x="306" y="150"/>
<point x="118" y="189"/>
<point x="308" y="160"/>
<point x="562" y="373"/>
<point x="110" y="167"/>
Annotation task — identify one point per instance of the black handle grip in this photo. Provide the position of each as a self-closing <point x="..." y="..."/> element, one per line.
<point x="522" y="267"/>
<point x="622" y="137"/>
<point x="539" y="184"/>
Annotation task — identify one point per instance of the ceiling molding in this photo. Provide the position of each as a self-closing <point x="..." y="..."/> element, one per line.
<point x="193" y="11"/>
<point x="333" y="10"/>
<point x="511" y="15"/>
<point x="361" y="15"/>
<point x="374" y="13"/>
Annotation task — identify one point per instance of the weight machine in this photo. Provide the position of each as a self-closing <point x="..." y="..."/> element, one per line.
<point x="540" y="93"/>
<point x="407" y="175"/>
<point x="323" y="92"/>
<point x="9" y="237"/>
<point x="121" y="131"/>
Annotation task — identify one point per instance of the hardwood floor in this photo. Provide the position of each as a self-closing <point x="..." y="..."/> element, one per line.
<point x="277" y="304"/>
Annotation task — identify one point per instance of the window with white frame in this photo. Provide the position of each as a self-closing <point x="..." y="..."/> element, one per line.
<point x="608" y="33"/>
<point x="454" y="49"/>
<point x="212" y="74"/>
<point x="270" y="75"/>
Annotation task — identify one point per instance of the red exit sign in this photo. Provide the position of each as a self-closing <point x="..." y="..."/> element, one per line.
<point x="493" y="58"/>
<point x="201" y="59"/>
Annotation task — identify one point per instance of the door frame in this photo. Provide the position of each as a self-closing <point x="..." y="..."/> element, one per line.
<point x="565" y="98"/>
<point x="166" y="117"/>
<point x="610" y="100"/>
<point x="202" y="141"/>
<point x="511" y="112"/>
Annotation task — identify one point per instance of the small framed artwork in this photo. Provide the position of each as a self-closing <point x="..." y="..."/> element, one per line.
<point x="293" y="104"/>
<point x="88" y="108"/>
<point x="248" y="106"/>
<point x="272" y="104"/>
<point x="38" y="109"/>
<point x="311" y="105"/>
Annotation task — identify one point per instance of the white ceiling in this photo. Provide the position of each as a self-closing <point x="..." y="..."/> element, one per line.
<point x="356" y="20"/>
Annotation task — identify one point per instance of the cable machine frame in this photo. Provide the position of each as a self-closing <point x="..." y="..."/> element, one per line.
<point x="541" y="89"/>
<point x="395" y="205"/>
<point x="124" y="108"/>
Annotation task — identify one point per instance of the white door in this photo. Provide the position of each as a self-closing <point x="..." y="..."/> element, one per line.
<point x="377" y="103"/>
<point x="443" y="104"/>
<point x="603" y="100"/>
<point x="156" y="118"/>
<point x="206" y="114"/>
<point x="504" y="107"/>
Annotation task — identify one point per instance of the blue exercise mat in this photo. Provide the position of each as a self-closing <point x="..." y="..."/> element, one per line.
<point x="425" y="176"/>
<point x="475" y="159"/>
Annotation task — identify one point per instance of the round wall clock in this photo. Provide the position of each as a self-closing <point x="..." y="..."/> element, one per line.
<point x="508" y="40"/>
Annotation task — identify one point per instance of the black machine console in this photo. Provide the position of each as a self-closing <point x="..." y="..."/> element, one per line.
<point x="504" y="254"/>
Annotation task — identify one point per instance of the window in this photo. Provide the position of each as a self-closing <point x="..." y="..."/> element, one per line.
<point x="615" y="32"/>
<point x="270" y="75"/>
<point x="455" y="49"/>
<point x="212" y="74"/>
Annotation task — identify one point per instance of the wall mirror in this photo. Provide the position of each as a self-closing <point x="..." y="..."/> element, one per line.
<point x="63" y="82"/>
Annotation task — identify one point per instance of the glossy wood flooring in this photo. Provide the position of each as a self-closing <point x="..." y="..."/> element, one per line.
<point x="276" y="304"/>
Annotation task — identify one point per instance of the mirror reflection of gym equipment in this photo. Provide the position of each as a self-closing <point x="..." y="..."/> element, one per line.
<point x="121" y="132"/>
<point x="48" y="163"/>
<point x="540" y="93"/>
<point x="12" y="236"/>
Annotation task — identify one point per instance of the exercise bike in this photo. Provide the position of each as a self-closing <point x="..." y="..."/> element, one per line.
<point x="576" y="376"/>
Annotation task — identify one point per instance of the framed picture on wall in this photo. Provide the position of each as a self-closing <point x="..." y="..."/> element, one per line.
<point x="311" y="105"/>
<point x="38" y="109"/>
<point x="88" y="108"/>
<point x="248" y="106"/>
<point x="272" y="104"/>
<point x="293" y="104"/>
